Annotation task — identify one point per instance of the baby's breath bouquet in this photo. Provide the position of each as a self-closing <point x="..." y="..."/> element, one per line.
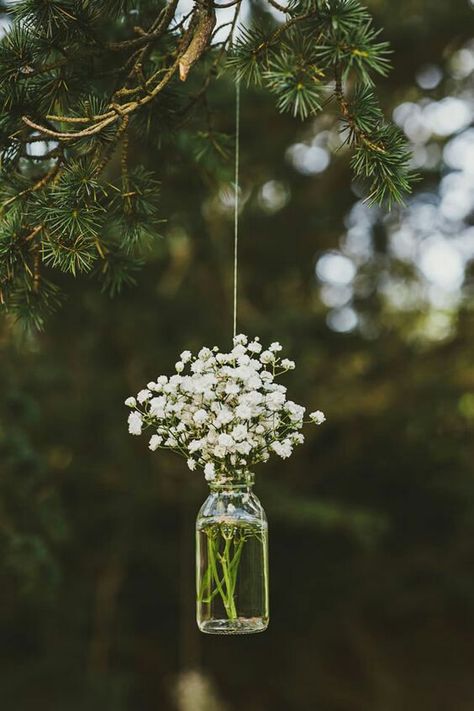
<point x="225" y="413"/>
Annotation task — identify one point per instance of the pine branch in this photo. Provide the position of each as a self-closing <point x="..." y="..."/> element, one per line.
<point x="347" y="50"/>
<point x="83" y="80"/>
<point x="381" y="154"/>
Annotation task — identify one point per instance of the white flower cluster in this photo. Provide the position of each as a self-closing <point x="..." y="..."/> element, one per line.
<point x="223" y="412"/>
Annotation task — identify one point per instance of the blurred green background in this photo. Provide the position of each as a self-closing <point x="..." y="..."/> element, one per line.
<point x="372" y="521"/>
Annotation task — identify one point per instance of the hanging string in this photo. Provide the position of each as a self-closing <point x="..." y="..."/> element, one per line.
<point x="236" y="198"/>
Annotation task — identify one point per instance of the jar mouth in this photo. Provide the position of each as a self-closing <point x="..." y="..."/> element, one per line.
<point x="230" y="487"/>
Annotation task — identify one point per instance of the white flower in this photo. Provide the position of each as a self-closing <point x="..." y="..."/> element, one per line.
<point x="296" y="411"/>
<point x="317" y="417"/>
<point x="219" y="451"/>
<point x="209" y="471"/>
<point x="275" y="347"/>
<point x="211" y="437"/>
<point x="157" y="406"/>
<point x="252" y="398"/>
<point x="267" y="357"/>
<point x="283" y="449"/>
<point x="179" y="366"/>
<point x="274" y="400"/>
<point x="143" y="396"/>
<point x="244" y="412"/>
<point x="254" y="347"/>
<point x="230" y="508"/>
<point x="232" y="389"/>
<point x="131" y="402"/>
<point x="243" y="372"/>
<point x="135" y="423"/>
<point x="200" y="416"/>
<point x="197" y="366"/>
<point x="239" y="433"/>
<point x="162" y="380"/>
<point x="194" y="445"/>
<point x="155" y="441"/>
<point x="238" y="351"/>
<point x="204" y="353"/>
<point x="224" y="417"/>
<point x="243" y="447"/>
<point x="191" y="464"/>
<point x="254" y="382"/>
<point x="225" y="440"/>
<point x="288" y="364"/>
<point x="240" y="339"/>
<point x="185" y="356"/>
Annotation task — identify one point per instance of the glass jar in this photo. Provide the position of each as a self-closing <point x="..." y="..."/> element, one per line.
<point x="232" y="561"/>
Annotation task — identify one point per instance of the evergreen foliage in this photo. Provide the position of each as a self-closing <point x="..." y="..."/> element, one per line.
<point x="81" y="81"/>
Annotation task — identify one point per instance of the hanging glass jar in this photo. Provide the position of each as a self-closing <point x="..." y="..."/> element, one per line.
<point x="232" y="560"/>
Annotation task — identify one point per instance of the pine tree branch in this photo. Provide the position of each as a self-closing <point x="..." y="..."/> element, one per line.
<point x="277" y="6"/>
<point x="158" y="28"/>
<point x="36" y="230"/>
<point x="347" y="114"/>
<point x="113" y="116"/>
<point x="194" y="39"/>
<point x="39" y="185"/>
<point x="111" y="149"/>
<point x="221" y="6"/>
<point x="295" y="20"/>
<point x="192" y="44"/>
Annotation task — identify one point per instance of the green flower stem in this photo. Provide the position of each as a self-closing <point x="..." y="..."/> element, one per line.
<point x="206" y="586"/>
<point x="225" y="564"/>
<point x="221" y="582"/>
<point x="234" y="566"/>
<point x="223" y="593"/>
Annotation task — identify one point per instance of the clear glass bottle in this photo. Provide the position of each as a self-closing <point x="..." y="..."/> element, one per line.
<point x="232" y="561"/>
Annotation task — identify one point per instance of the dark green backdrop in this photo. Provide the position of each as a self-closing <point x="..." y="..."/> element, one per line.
<point x="372" y="521"/>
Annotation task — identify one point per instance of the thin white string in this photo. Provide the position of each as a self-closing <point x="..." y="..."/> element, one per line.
<point x="236" y="198"/>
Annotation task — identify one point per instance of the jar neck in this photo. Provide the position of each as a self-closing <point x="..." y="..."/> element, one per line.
<point x="242" y="483"/>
